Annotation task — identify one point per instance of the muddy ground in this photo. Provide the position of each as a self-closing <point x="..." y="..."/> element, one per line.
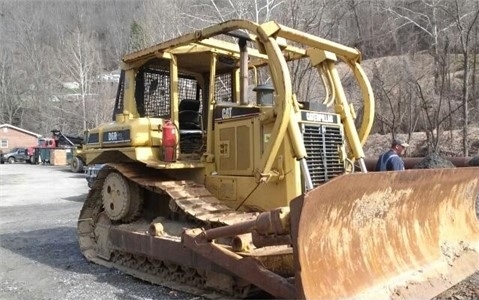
<point x="39" y="253"/>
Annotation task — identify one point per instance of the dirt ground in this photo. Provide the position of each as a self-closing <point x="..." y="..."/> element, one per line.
<point x="39" y="253"/>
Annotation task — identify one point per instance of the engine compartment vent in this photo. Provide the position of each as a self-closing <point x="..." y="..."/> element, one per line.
<point x="323" y="145"/>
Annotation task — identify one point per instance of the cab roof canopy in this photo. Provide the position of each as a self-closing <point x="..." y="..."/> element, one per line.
<point x="194" y="49"/>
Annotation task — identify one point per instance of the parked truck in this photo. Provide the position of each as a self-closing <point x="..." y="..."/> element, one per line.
<point x="17" y="154"/>
<point x="41" y="153"/>
<point x="214" y="181"/>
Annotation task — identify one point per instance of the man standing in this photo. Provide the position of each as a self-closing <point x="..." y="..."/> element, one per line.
<point x="391" y="160"/>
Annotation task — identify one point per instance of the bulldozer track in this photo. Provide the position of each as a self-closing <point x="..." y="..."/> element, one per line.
<point x="186" y="197"/>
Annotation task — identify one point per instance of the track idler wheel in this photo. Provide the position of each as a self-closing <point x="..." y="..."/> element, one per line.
<point x="121" y="198"/>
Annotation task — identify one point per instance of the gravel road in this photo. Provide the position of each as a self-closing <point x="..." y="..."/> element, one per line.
<point x="39" y="253"/>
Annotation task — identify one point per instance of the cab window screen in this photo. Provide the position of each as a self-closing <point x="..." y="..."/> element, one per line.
<point x="153" y="91"/>
<point x="223" y="88"/>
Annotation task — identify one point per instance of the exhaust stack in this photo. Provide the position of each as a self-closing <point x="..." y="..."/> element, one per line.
<point x="243" y="72"/>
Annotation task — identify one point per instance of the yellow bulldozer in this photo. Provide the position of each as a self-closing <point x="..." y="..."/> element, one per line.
<point x="217" y="179"/>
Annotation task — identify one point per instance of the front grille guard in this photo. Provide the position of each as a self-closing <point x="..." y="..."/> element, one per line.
<point x="323" y="143"/>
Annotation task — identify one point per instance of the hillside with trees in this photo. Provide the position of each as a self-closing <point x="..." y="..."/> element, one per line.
<point x="59" y="60"/>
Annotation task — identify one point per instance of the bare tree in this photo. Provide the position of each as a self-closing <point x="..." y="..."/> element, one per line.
<point x="35" y="38"/>
<point x="44" y="46"/>
<point x="439" y="21"/>
<point x="395" y="96"/>
<point x="207" y="12"/>
<point x="465" y="19"/>
<point x="160" y="20"/>
<point x="423" y="17"/>
<point x="78" y="62"/>
<point x="26" y="39"/>
<point x="112" y="21"/>
<point x="11" y="97"/>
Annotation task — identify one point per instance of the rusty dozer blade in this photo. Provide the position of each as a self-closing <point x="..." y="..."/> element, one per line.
<point x="409" y="234"/>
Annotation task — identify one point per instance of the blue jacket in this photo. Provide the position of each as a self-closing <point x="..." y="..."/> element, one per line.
<point x="389" y="161"/>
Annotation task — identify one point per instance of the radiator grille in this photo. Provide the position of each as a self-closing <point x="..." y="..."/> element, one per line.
<point x="323" y="144"/>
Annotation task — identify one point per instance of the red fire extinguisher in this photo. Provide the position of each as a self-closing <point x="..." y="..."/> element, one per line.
<point x="169" y="141"/>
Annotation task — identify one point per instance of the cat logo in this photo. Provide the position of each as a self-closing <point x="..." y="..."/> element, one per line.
<point x="226" y="112"/>
<point x="318" y="117"/>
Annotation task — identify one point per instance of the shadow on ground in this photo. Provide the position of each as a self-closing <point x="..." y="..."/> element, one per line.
<point x="58" y="248"/>
<point x="55" y="247"/>
<point x="79" y="198"/>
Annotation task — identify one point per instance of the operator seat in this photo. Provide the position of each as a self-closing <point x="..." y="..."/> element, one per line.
<point x="190" y="126"/>
<point x="189" y="115"/>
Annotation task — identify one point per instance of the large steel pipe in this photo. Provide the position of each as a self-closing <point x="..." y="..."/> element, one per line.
<point x="411" y="162"/>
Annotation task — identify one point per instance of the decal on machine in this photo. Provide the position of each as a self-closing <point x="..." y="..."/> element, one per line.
<point x="312" y="116"/>
<point x="117" y="136"/>
<point x="230" y="112"/>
